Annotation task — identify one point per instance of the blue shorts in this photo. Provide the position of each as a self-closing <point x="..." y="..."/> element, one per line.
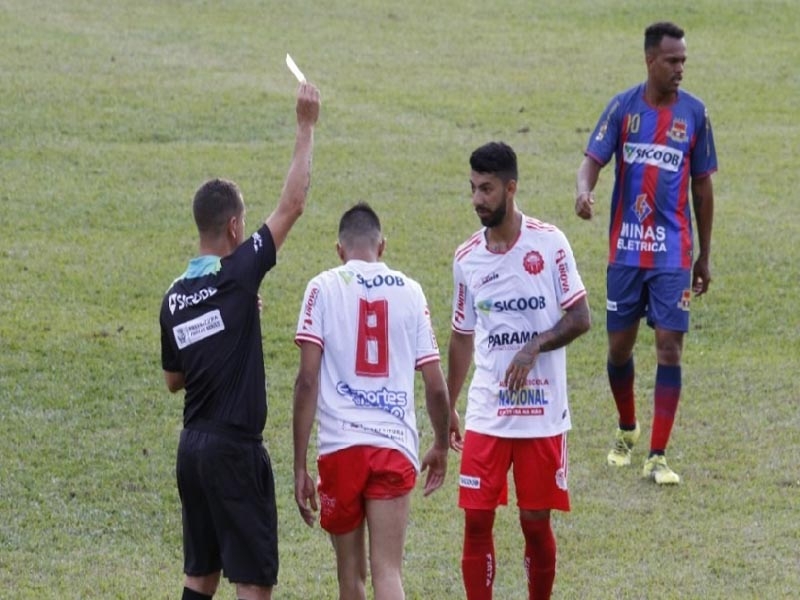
<point x="662" y="295"/>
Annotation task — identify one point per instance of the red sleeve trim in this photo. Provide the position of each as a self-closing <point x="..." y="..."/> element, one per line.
<point x="301" y="338"/>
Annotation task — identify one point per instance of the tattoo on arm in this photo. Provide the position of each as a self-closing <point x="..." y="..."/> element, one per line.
<point x="575" y="321"/>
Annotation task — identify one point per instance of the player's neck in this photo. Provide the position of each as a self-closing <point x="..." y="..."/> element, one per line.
<point x="658" y="99"/>
<point x="501" y="237"/>
<point x="217" y="247"/>
<point x="369" y="256"/>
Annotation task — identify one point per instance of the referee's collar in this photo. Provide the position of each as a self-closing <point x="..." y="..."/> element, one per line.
<point x="200" y="266"/>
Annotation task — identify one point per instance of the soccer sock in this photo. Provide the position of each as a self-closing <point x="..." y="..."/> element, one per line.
<point x="540" y="557"/>
<point x="478" y="561"/>
<point x="192" y="595"/>
<point x="667" y="394"/>
<point x="621" y="380"/>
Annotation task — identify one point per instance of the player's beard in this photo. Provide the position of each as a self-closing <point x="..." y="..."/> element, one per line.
<point x="495" y="217"/>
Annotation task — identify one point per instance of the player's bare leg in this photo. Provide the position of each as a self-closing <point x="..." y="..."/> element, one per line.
<point x="669" y="346"/>
<point x="253" y="592"/>
<point x="387" y="521"/>
<point x="621" y="343"/>
<point x="201" y="584"/>
<point x="351" y="563"/>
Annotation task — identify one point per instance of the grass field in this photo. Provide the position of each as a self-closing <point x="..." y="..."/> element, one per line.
<point x="111" y="115"/>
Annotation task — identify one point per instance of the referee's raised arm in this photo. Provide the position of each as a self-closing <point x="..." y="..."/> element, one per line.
<point x="298" y="180"/>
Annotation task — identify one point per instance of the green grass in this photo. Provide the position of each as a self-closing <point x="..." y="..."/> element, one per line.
<point x="111" y="114"/>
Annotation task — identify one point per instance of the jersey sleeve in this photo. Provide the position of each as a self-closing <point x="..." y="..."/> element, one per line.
<point x="251" y="261"/>
<point x="463" y="316"/>
<point x="603" y="141"/>
<point x="566" y="280"/>
<point x="170" y="358"/>
<point x="427" y="346"/>
<point x="310" y="321"/>
<point x="704" y="153"/>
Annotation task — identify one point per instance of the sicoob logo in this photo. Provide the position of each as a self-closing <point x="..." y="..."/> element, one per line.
<point x="181" y="301"/>
<point x="656" y="155"/>
<point x="514" y="304"/>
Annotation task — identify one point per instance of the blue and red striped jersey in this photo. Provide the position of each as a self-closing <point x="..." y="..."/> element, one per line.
<point x="657" y="151"/>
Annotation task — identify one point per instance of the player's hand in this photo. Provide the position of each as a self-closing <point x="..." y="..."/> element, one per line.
<point x="305" y="494"/>
<point x="701" y="276"/>
<point x="584" y="205"/>
<point x="308" y="103"/>
<point x="521" y="365"/>
<point x="456" y="443"/>
<point x="435" y="462"/>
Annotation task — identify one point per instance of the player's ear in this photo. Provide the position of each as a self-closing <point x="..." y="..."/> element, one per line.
<point x="511" y="187"/>
<point x="231" y="226"/>
<point x="340" y="252"/>
<point x="381" y="247"/>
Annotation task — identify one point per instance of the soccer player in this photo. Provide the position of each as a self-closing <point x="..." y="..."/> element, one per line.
<point x="661" y="139"/>
<point x="518" y="301"/>
<point x="211" y="348"/>
<point x="363" y="330"/>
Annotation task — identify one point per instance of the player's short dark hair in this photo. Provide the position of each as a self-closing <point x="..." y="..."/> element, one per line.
<point x="497" y="158"/>
<point x="215" y="202"/>
<point x="658" y="31"/>
<point x="360" y="224"/>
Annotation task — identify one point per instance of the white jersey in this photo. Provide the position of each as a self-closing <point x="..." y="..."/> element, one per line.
<point x="374" y="328"/>
<point x="504" y="300"/>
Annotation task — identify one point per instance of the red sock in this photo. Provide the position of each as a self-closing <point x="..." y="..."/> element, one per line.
<point x="540" y="557"/>
<point x="620" y="378"/>
<point x="667" y="394"/>
<point x="478" y="561"/>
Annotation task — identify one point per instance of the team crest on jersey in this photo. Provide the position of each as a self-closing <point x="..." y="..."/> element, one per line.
<point x="678" y="131"/>
<point x="642" y="207"/>
<point x="686" y="299"/>
<point x="533" y="262"/>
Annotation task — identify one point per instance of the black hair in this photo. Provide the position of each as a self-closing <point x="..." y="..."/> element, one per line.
<point x="359" y="224"/>
<point x="497" y="158"/>
<point x="215" y="202"/>
<point x="658" y="31"/>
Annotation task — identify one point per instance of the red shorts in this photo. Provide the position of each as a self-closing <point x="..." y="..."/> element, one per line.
<point x="540" y="472"/>
<point x="348" y="477"/>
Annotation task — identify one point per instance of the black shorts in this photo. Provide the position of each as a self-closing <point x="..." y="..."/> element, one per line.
<point x="230" y="521"/>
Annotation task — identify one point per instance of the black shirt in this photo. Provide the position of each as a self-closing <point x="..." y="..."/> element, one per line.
<point x="211" y="332"/>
